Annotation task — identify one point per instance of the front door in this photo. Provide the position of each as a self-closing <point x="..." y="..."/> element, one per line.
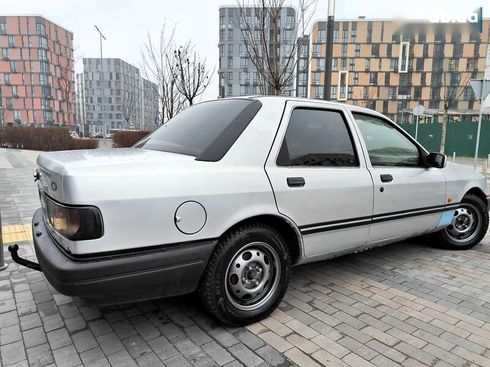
<point x="409" y="198"/>
<point x="319" y="179"/>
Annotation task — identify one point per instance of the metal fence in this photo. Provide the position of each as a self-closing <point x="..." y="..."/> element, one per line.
<point x="460" y="137"/>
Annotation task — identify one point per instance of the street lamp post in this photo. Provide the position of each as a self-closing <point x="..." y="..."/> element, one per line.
<point x="481" y="90"/>
<point x="101" y="37"/>
<point x="327" y="80"/>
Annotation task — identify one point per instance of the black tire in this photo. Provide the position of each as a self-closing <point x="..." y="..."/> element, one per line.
<point x="219" y="288"/>
<point x="447" y="237"/>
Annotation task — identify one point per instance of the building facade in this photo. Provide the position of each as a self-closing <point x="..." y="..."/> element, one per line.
<point x="115" y="96"/>
<point x="36" y="72"/>
<point x="238" y="75"/>
<point x="392" y="67"/>
<point x="302" y="66"/>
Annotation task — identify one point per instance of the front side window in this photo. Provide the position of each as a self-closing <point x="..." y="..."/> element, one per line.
<point x="316" y="137"/>
<point x="385" y="144"/>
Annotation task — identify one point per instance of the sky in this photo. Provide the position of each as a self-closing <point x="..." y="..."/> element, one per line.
<point x="126" y="23"/>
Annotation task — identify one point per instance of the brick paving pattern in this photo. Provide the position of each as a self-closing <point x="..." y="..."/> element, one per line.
<point x="405" y="304"/>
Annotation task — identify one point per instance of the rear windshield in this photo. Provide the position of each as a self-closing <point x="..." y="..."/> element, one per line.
<point x="197" y="127"/>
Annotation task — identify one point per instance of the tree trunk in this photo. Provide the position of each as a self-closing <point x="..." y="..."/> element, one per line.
<point x="443" y="133"/>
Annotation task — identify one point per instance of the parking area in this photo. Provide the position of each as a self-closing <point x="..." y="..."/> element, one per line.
<point x="405" y="304"/>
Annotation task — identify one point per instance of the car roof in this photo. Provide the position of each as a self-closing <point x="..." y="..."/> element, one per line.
<point x="331" y="104"/>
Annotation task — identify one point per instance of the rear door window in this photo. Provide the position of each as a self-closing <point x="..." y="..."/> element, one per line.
<point x="317" y="137"/>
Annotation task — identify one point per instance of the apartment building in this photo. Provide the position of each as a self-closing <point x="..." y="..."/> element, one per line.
<point x="36" y="72"/>
<point x="391" y="67"/>
<point x="116" y="96"/>
<point x="237" y="74"/>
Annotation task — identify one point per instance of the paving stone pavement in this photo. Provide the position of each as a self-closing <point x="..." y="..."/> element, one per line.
<point x="405" y="304"/>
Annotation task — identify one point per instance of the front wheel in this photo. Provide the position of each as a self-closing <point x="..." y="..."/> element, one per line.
<point x="468" y="227"/>
<point x="247" y="275"/>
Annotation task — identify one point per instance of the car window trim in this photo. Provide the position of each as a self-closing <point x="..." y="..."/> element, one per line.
<point x="349" y="131"/>
<point x="422" y="152"/>
<point x="215" y="151"/>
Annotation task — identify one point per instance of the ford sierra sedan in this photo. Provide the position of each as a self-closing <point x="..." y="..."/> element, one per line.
<point x="225" y="197"/>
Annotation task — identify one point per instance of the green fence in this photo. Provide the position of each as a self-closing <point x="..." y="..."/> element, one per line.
<point x="460" y="138"/>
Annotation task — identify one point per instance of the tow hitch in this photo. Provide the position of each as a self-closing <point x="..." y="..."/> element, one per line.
<point x="13" y="249"/>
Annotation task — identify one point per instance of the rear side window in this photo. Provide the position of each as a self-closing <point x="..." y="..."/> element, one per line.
<point x="385" y="144"/>
<point x="206" y="130"/>
<point x="316" y="137"/>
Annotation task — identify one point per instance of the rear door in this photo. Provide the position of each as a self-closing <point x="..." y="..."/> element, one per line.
<point x="319" y="178"/>
<point x="408" y="197"/>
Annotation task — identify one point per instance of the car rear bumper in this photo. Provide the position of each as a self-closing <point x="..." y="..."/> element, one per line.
<point x="159" y="271"/>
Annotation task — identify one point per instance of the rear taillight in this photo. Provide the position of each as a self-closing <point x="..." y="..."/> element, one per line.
<point x="73" y="222"/>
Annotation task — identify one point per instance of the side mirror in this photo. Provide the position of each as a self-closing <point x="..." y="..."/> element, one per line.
<point x="436" y="160"/>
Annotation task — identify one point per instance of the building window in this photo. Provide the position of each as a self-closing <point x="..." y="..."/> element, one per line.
<point x="7" y="79"/>
<point x="391" y="92"/>
<point x="373" y="78"/>
<point x="3" y="28"/>
<point x="417" y="93"/>
<point x="393" y="64"/>
<point x="389" y="50"/>
<point x="316" y="50"/>
<point x="230" y="49"/>
<point x="345" y="35"/>
<point x="41" y="29"/>
<point x="16" y="116"/>
<point x="5" y="53"/>
<point x="11" y="42"/>
<point x="375" y="50"/>
<point x="319" y="92"/>
<point x="356" y="78"/>
<point x="352" y="64"/>
<point x="344" y="50"/>
<point x="13" y="67"/>
<point x="367" y="64"/>
<point x="244" y="63"/>
<point x="320" y="64"/>
<point x="471" y="64"/>
<point x="353" y="35"/>
<point x="343" y="85"/>
<point x="335" y="64"/>
<point x="43" y="56"/>
<point x="44" y="67"/>
<point x="403" y="57"/>
<point x="230" y="62"/>
<point x="419" y="63"/>
<point x="322" y="35"/>
<point x="358" y="50"/>
<point x="333" y="92"/>
<point x="395" y="38"/>
<point x="315" y="78"/>
<point x="404" y="88"/>
<point x="458" y="50"/>
<point x="43" y="79"/>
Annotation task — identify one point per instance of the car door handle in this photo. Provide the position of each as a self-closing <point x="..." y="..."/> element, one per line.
<point x="295" y="181"/>
<point x="386" y="178"/>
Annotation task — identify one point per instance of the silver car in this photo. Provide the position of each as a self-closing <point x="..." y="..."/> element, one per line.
<point x="228" y="195"/>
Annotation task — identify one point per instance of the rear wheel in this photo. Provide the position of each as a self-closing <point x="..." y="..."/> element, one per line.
<point x="468" y="227"/>
<point x="247" y="275"/>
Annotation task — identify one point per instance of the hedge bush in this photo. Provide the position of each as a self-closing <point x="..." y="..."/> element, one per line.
<point x="125" y="139"/>
<point x="45" y="139"/>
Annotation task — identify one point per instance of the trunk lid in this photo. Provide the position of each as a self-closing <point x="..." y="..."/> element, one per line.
<point x="57" y="168"/>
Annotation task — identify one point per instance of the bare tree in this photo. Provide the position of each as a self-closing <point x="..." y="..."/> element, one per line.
<point x="128" y="108"/>
<point x="271" y="48"/>
<point x="191" y="73"/>
<point x="158" y="66"/>
<point x="367" y="97"/>
<point x="452" y="89"/>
